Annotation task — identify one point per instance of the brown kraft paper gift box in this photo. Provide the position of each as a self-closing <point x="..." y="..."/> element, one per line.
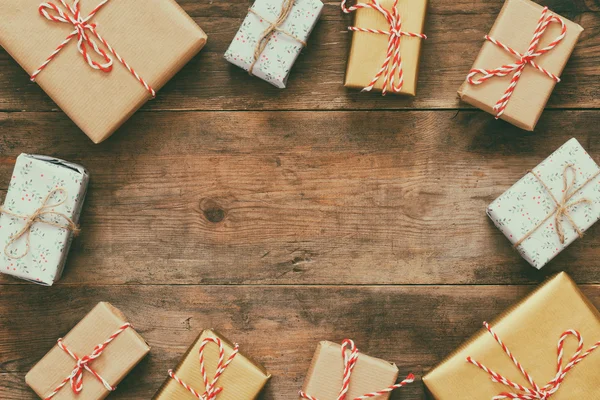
<point x="368" y="50"/>
<point x="242" y="379"/>
<point x="155" y="37"/>
<point x="114" y="363"/>
<point x="515" y="27"/>
<point x="531" y="331"/>
<point x="325" y="375"/>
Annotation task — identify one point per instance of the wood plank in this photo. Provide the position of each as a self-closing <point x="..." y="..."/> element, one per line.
<point x="455" y="30"/>
<point x="280" y="326"/>
<point x="302" y="197"/>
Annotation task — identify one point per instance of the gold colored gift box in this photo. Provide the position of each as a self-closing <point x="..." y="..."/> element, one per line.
<point x="115" y="362"/>
<point x="531" y="331"/>
<point x="243" y="379"/>
<point x="155" y="37"/>
<point x="324" y="378"/>
<point x="368" y="50"/>
<point x="515" y="27"/>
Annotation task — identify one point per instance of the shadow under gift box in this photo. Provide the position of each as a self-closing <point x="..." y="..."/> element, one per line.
<point x="531" y="330"/>
<point x="515" y="27"/>
<point x="155" y="37"/>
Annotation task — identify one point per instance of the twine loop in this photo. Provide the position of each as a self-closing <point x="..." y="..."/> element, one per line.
<point x="477" y="76"/>
<point x="46" y="209"/>
<point x="536" y="392"/>
<point x="211" y="388"/>
<point x="85" y="31"/>
<point x="83" y="364"/>
<point x="563" y="207"/>
<point x="350" y="358"/>
<point x="392" y="65"/>
<point x="275" y="26"/>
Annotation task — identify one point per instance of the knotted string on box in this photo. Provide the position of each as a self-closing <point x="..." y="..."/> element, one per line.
<point x="212" y="390"/>
<point x="524" y="59"/>
<point x="349" y="364"/>
<point x="275" y="26"/>
<point x="392" y="65"/>
<point x="46" y="209"/>
<point x="83" y="363"/>
<point x="71" y="14"/>
<point x="563" y="207"/>
<point x="536" y="392"/>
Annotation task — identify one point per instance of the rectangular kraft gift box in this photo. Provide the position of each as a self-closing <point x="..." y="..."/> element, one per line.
<point x="155" y="37"/>
<point x="324" y="378"/>
<point x="282" y="50"/>
<point x="515" y="28"/>
<point x="527" y="204"/>
<point x="531" y="330"/>
<point x="34" y="178"/>
<point x="368" y="50"/>
<point x="243" y="379"/>
<point x="116" y="361"/>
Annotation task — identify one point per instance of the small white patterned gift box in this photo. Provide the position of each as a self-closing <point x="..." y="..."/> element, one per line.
<point x="40" y="214"/>
<point x="551" y="206"/>
<point x="283" y="42"/>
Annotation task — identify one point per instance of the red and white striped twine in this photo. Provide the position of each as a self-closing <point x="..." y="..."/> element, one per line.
<point x="524" y="59"/>
<point x="72" y="15"/>
<point x="536" y="392"/>
<point x="392" y="65"/>
<point x="349" y="364"/>
<point x="83" y="363"/>
<point x="211" y="387"/>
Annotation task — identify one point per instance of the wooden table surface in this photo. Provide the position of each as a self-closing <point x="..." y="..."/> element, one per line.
<point x="286" y="217"/>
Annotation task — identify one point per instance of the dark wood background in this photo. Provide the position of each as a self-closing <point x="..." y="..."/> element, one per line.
<point x="285" y="217"/>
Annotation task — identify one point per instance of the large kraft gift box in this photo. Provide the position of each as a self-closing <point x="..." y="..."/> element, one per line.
<point x="155" y="37"/>
<point x="325" y="375"/>
<point x="368" y="50"/>
<point x="116" y="360"/>
<point x="242" y="379"/>
<point x="515" y="27"/>
<point x="531" y="331"/>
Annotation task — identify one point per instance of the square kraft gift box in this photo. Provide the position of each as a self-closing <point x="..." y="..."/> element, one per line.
<point x="109" y="348"/>
<point x="551" y="206"/>
<point x="337" y="368"/>
<point x="555" y="313"/>
<point x="372" y="42"/>
<point x="240" y="377"/>
<point x="96" y="88"/>
<point x="272" y="36"/>
<point x="40" y="216"/>
<point x="520" y="62"/>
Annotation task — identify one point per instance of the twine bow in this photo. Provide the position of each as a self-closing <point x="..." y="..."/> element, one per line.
<point x="212" y="390"/>
<point x="47" y="209"/>
<point x="524" y="59"/>
<point x="392" y="65"/>
<point x="275" y="26"/>
<point x="563" y="207"/>
<point x="349" y="364"/>
<point x="83" y="363"/>
<point x="536" y="392"/>
<point x="85" y="31"/>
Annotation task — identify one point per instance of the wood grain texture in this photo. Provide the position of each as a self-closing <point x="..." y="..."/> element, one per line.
<point x="415" y="327"/>
<point x="455" y="30"/>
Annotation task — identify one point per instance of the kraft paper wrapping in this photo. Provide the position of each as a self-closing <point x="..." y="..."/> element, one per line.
<point x="117" y="360"/>
<point x="156" y="37"/>
<point x="531" y="331"/>
<point x="515" y="27"/>
<point x="527" y="203"/>
<point x="33" y="178"/>
<point x="243" y="379"/>
<point x="324" y="378"/>
<point x="368" y="50"/>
